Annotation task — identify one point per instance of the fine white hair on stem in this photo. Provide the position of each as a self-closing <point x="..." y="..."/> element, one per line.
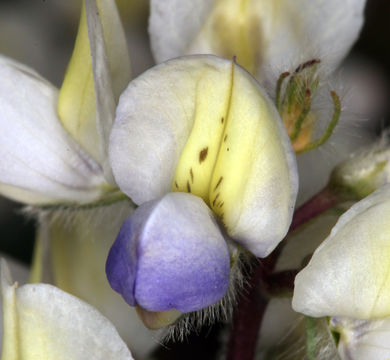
<point x="67" y="216"/>
<point x="273" y="72"/>
<point x="293" y="344"/>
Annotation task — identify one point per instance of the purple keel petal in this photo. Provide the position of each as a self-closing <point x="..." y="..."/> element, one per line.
<point x="170" y="254"/>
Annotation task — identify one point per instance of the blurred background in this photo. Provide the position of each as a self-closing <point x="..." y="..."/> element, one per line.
<point x="41" y="33"/>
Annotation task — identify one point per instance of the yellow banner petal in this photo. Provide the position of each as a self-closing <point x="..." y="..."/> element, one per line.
<point x="203" y="125"/>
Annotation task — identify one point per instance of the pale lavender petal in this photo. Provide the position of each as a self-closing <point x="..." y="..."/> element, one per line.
<point x="170" y="254"/>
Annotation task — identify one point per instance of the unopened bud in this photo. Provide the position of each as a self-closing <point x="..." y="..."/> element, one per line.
<point x="294" y="103"/>
<point x="364" y="172"/>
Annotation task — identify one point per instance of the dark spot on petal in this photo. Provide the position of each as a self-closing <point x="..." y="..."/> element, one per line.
<point x="192" y="175"/>
<point x="203" y="154"/>
<point x="221" y="204"/>
<point x="228" y="149"/>
<point x="222" y="119"/>
<point x="177" y="186"/>
<point x="188" y="187"/>
<point x="225" y="138"/>
<point x="215" y="199"/>
<point x="218" y="183"/>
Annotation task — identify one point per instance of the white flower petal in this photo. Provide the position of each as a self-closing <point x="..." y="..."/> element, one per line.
<point x="25" y="196"/>
<point x="36" y="153"/>
<point x="174" y="24"/>
<point x="348" y="275"/>
<point x="43" y="322"/>
<point x="202" y="124"/>
<point x="363" y="339"/>
<point x="263" y="34"/>
<point x="322" y="28"/>
<point x="98" y="72"/>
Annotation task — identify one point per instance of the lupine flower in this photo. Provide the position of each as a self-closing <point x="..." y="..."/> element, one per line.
<point x="347" y="278"/>
<point x="186" y="132"/>
<point x="200" y="125"/>
<point x="86" y="110"/>
<point x="41" y="321"/>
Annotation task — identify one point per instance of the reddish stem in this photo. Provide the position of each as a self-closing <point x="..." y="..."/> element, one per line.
<point x="323" y="201"/>
<point x="252" y="305"/>
<point x="243" y="337"/>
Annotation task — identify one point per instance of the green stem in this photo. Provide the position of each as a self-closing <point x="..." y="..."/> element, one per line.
<point x="302" y="116"/>
<point x="310" y="338"/>
<point x="292" y="88"/>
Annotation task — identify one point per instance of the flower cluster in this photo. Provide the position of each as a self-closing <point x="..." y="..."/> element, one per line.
<point x="164" y="183"/>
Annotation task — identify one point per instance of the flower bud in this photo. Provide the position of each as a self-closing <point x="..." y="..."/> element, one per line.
<point x="348" y="274"/>
<point x="294" y="102"/>
<point x="364" y="172"/>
